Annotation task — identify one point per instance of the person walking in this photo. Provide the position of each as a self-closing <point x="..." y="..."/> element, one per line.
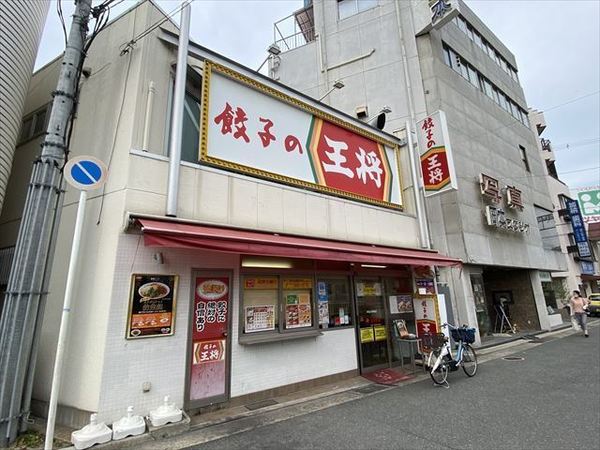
<point x="578" y="306"/>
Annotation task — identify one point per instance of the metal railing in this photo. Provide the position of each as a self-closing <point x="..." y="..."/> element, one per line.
<point x="296" y="40"/>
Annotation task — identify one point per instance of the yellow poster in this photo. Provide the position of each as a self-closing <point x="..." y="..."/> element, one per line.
<point x="261" y="283"/>
<point x="298" y="283"/>
<point x="304" y="298"/>
<point x="366" y="335"/>
<point x="380" y="333"/>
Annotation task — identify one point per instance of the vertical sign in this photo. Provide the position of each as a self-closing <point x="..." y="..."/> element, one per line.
<point x="426" y="315"/>
<point x="583" y="246"/>
<point x="208" y="371"/>
<point x="437" y="166"/>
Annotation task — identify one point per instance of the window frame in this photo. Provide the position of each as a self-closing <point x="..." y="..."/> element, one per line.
<point x="33" y="119"/>
<point x="348" y="279"/>
<point x="524" y="158"/>
<point x="279" y="333"/>
<point x="357" y="8"/>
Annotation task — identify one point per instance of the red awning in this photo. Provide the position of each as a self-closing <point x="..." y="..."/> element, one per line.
<point x="159" y="233"/>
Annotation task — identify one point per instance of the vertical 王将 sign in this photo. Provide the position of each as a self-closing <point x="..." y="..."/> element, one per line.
<point x="437" y="165"/>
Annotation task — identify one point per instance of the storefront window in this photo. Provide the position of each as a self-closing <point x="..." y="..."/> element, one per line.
<point x="273" y="303"/>
<point x="334" y="302"/>
<point x="297" y="297"/>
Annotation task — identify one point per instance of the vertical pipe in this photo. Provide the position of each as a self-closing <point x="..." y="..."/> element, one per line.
<point x="177" y="116"/>
<point x="64" y="323"/>
<point x="423" y="230"/>
<point x="148" y="116"/>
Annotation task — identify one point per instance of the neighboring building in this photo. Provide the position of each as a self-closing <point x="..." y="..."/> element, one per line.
<point x="580" y="268"/>
<point x="260" y="283"/>
<point x="594" y="237"/>
<point x="20" y="34"/>
<point x="394" y="54"/>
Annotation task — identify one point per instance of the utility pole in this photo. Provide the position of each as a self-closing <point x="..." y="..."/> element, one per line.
<point x="26" y="292"/>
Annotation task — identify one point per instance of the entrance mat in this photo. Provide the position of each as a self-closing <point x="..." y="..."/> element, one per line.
<point x="388" y="377"/>
<point x="261" y="404"/>
<point x="370" y="388"/>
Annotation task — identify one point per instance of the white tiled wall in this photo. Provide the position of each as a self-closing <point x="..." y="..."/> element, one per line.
<point x="162" y="361"/>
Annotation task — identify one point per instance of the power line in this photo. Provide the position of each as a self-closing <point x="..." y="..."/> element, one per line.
<point x="129" y="45"/>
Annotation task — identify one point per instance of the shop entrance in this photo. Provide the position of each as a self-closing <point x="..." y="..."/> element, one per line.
<point x="209" y="356"/>
<point x="381" y="302"/>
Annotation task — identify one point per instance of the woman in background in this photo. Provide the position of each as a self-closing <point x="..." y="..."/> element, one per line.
<point x="578" y="306"/>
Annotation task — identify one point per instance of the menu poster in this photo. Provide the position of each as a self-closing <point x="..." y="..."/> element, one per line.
<point x="401" y="328"/>
<point x="151" y="306"/>
<point x="259" y="318"/>
<point x="366" y="335"/>
<point x="380" y="333"/>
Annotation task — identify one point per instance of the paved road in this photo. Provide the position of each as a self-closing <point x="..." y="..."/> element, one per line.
<point x="550" y="400"/>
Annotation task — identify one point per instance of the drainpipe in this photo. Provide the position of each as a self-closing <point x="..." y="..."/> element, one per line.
<point x="148" y="116"/>
<point x="416" y="179"/>
<point x="177" y="120"/>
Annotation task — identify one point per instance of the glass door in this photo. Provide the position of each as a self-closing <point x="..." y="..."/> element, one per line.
<point x="372" y="324"/>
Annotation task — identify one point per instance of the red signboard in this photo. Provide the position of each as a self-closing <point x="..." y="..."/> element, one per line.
<point x="437" y="166"/>
<point x="209" y="330"/>
<point x="349" y="162"/>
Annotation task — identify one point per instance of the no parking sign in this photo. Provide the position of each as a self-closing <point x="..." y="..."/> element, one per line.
<point x="85" y="172"/>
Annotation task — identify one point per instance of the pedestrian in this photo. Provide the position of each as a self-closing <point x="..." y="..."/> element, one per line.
<point x="578" y="306"/>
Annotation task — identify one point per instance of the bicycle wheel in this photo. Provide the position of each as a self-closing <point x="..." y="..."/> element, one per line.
<point x="469" y="361"/>
<point x="440" y="374"/>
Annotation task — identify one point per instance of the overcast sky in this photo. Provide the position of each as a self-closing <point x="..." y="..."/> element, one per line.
<point x="556" y="44"/>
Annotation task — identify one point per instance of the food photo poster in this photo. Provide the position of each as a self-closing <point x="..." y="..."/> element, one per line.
<point x="152" y="305"/>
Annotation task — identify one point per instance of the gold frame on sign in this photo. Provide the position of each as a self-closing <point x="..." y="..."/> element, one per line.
<point x="130" y="306"/>
<point x="204" y="157"/>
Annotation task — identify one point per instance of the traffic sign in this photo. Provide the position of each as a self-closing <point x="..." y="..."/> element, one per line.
<point x="85" y="172"/>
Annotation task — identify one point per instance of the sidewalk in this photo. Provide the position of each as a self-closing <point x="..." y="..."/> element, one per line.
<point x="214" y="425"/>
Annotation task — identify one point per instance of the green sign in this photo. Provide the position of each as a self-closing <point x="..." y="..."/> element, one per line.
<point x="589" y="202"/>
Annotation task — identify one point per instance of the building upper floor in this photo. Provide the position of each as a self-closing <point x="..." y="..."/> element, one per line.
<point x="255" y="153"/>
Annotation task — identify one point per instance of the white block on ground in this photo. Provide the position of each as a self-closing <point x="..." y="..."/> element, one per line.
<point x="166" y="413"/>
<point x="93" y="433"/>
<point x="129" y="425"/>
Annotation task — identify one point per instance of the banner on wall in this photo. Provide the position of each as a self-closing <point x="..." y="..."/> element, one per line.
<point x="252" y="128"/>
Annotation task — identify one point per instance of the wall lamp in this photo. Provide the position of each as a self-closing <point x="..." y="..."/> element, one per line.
<point x="337" y="84"/>
<point x="272" y="50"/>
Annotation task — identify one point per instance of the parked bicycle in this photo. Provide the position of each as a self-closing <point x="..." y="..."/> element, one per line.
<point x="441" y="360"/>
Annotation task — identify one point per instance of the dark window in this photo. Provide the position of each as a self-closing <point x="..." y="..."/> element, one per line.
<point x="190" y="135"/>
<point x="551" y="169"/>
<point x="524" y="158"/>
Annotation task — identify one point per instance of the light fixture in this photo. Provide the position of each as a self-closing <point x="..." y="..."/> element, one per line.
<point x="379" y="120"/>
<point x="266" y="263"/>
<point x="373" y="266"/>
<point x="337" y="84"/>
<point x="272" y="50"/>
<point x="158" y="258"/>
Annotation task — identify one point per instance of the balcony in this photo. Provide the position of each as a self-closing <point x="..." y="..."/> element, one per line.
<point x="564" y="213"/>
<point x="295" y="30"/>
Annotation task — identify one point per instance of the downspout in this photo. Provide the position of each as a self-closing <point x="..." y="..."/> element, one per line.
<point x="416" y="179"/>
<point x="177" y="120"/>
<point x="148" y="116"/>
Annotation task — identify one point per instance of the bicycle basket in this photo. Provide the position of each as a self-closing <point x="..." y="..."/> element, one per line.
<point x="431" y="342"/>
<point x="467" y="335"/>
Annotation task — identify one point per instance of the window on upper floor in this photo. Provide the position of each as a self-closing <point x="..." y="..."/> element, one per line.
<point x="190" y="135"/>
<point x="347" y="8"/>
<point x="524" y="158"/>
<point x="34" y="124"/>
<point x="552" y="169"/>
<point x="547" y="227"/>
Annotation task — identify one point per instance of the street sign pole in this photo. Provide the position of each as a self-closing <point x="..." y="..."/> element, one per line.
<point x="84" y="173"/>
<point x="64" y="322"/>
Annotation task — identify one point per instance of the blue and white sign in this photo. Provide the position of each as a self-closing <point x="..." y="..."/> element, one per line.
<point x="587" y="268"/>
<point x="583" y="247"/>
<point x="85" y="172"/>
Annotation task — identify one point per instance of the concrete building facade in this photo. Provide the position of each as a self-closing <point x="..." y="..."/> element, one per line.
<point x="301" y="272"/>
<point x="389" y="54"/>
<point x="22" y="26"/>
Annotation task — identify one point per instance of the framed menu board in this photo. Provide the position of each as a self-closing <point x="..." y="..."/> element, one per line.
<point x="152" y="302"/>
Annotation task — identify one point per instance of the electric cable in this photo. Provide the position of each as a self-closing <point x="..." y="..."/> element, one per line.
<point x="62" y="19"/>
<point x="125" y="48"/>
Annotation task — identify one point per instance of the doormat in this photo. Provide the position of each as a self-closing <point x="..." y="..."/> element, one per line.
<point x="387" y="376"/>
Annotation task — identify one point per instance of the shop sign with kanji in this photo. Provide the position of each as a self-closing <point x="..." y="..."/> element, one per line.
<point x="437" y="166"/>
<point x="252" y="128"/>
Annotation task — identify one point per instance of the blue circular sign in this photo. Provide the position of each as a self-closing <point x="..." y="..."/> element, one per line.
<point x="85" y="172"/>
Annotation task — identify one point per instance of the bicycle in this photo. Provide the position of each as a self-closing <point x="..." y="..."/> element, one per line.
<point x="441" y="361"/>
